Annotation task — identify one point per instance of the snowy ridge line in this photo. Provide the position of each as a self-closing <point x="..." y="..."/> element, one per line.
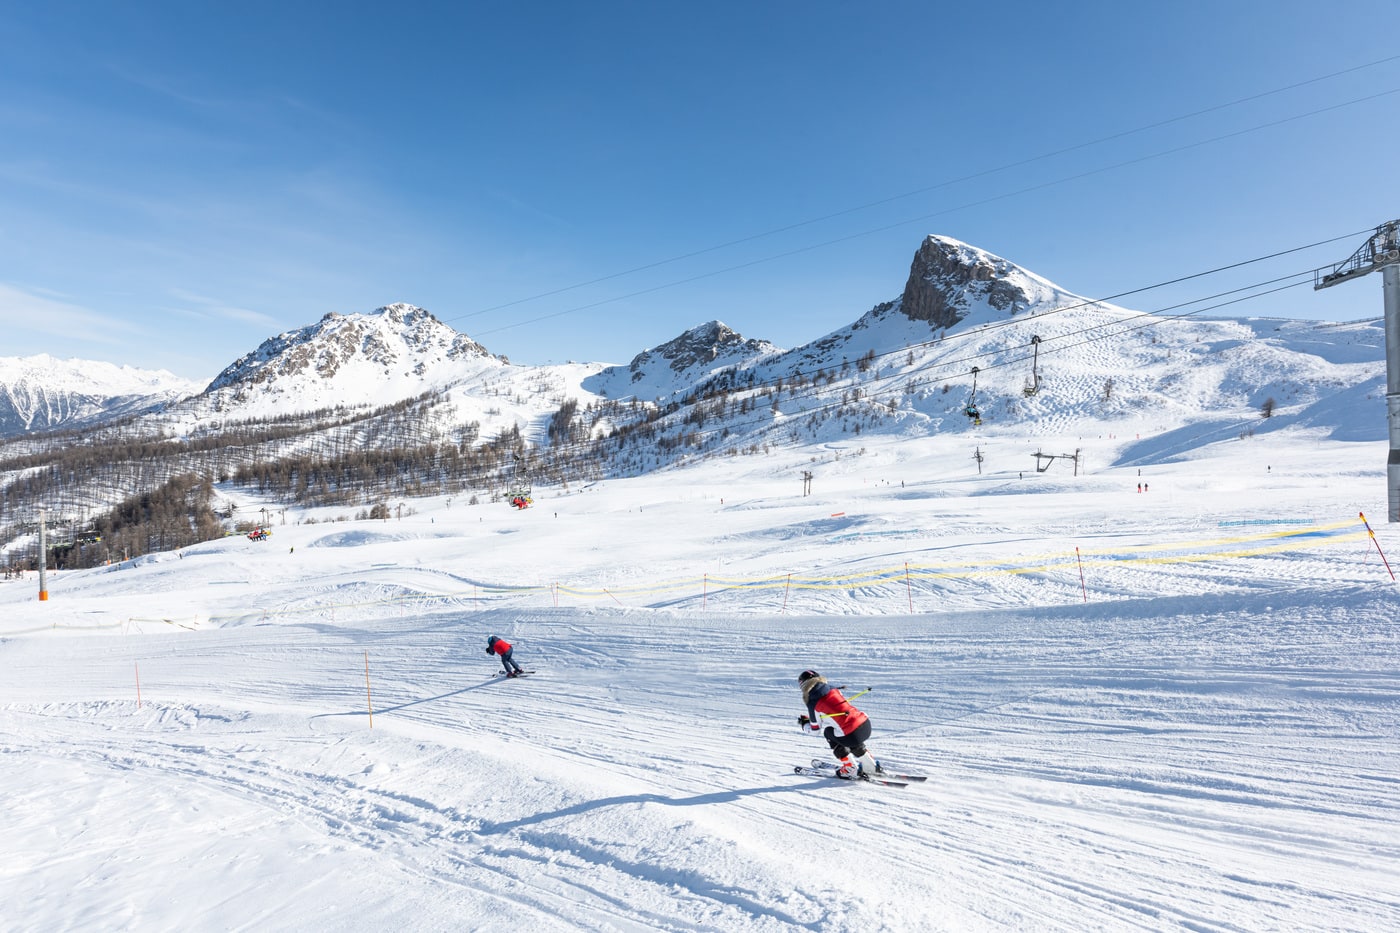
<point x="901" y="577"/>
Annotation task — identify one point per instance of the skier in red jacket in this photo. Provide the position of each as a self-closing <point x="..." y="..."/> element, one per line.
<point x="848" y="742"/>
<point x="497" y="645"/>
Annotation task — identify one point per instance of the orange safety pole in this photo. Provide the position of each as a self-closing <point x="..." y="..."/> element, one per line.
<point x="138" y="685"/>
<point x="785" y="593"/>
<point x="368" y="698"/>
<point x="614" y="598"/>
<point x="1084" y="589"/>
<point x="705" y="592"/>
<point x="909" y="588"/>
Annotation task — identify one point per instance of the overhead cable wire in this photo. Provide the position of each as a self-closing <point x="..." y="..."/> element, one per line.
<point x="919" y="219"/>
<point x="1019" y="163"/>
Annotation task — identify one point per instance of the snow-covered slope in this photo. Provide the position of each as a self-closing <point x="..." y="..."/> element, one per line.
<point x="1171" y="709"/>
<point x="40" y="393"/>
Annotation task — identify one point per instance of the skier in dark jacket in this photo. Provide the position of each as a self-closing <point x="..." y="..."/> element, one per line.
<point x="497" y="645"/>
<point x="848" y="742"/>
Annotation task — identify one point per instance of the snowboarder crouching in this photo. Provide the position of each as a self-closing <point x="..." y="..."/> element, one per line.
<point x="498" y="645"/>
<point x="848" y="745"/>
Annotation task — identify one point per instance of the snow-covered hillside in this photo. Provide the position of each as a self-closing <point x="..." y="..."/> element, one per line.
<point x="1152" y="689"/>
<point x="41" y="393"/>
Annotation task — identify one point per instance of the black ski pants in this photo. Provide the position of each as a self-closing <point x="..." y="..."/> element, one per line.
<point x="843" y="745"/>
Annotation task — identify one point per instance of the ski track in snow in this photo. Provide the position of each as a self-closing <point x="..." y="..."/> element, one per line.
<point x="1205" y="745"/>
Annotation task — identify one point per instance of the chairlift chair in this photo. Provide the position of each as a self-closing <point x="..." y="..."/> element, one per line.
<point x="1033" y="386"/>
<point x="970" y="409"/>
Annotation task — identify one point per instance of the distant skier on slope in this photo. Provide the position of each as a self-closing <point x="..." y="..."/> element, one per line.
<point x="497" y="645"/>
<point x="848" y="745"/>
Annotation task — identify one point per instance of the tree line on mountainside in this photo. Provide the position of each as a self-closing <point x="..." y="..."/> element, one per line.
<point x="365" y="457"/>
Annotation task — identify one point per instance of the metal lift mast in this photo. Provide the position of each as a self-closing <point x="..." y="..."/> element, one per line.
<point x="1381" y="252"/>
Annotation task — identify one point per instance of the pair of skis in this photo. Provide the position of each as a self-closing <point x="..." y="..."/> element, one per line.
<point x="504" y="676"/>
<point x="822" y="768"/>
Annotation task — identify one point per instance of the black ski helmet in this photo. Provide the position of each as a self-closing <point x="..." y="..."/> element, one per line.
<point x="805" y="676"/>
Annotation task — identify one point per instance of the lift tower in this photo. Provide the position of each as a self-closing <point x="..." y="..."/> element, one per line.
<point x="1381" y="252"/>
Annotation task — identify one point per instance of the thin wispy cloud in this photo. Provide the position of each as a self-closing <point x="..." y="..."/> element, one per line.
<point x="202" y="306"/>
<point x="27" y="311"/>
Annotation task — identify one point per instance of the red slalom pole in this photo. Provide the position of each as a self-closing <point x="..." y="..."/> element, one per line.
<point x="1084" y="589"/>
<point x="1377" y="544"/>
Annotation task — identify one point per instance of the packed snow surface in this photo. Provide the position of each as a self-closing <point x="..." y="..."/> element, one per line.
<point x="1170" y="709"/>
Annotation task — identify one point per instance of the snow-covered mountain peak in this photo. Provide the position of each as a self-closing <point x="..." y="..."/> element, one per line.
<point x="394" y="352"/>
<point x="706" y="344"/>
<point x="951" y="282"/>
<point x="682" y="361"/>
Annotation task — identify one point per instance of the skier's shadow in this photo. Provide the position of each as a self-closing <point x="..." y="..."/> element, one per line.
<point x="699" y="800"/>
<point x="391" y="709"/>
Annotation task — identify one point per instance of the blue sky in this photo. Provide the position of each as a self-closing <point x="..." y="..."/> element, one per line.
<point x="179" y="181"/>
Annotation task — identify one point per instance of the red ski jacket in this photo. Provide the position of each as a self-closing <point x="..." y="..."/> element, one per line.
<point x="500" y="646"/>
<point x="846" y="717"/>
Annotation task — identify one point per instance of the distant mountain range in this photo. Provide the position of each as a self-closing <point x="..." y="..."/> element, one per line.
<point x="40" y="393"/>
<point x="961" y="309"/>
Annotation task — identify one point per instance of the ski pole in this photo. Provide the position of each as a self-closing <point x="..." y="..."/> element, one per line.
<point x="1377" y="544"/>
<point x="852" y="697"/>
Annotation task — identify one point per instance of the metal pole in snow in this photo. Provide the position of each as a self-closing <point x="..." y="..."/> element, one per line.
<point x="43" y="558"/>
<point x="1080" y="561"/>
<point x="368" y="699"/>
